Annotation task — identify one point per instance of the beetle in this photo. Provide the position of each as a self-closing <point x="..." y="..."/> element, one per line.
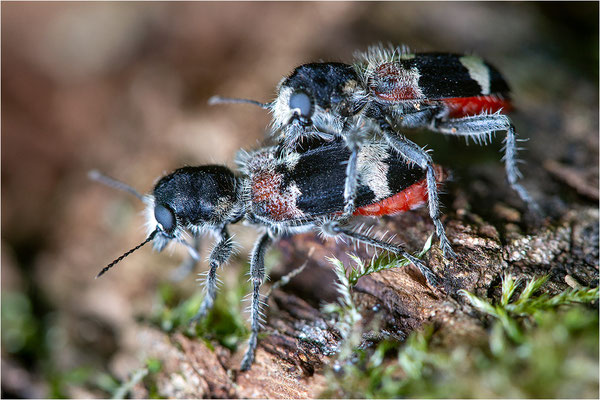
<point x="298" y="193"/>
<point x="390" y="91"/>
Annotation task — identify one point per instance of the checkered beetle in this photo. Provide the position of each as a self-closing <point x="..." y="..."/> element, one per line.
<point x="281" y="196"/>
<point x="386" y="93"/>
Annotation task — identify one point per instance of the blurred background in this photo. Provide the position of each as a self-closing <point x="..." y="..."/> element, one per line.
<point x="123" y="88"/>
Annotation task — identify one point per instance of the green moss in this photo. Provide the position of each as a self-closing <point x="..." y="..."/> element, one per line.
<point x="28" y="338"/>
<point x="224" y="323"/>
<point x="136" y="377"/>
<point x="146" y="376"/>
<point x="525" y="305"/>
<point x="538" y="347"/>
<point x="380" y="263"/>
<point x="107" y="383"/>
<point x="348" y="314"/>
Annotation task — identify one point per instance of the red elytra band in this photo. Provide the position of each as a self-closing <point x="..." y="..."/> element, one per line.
<point x="465" y="106"/>
<point x="408" y="199"/>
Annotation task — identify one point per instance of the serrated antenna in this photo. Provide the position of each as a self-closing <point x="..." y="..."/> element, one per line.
<point x="112" y="264"/>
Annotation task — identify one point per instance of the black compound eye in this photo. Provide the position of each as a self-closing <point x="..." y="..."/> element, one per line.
<point x="165" y="217"/>
<point x="301" y="103"/>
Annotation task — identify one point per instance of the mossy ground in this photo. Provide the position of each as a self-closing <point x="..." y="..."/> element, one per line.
<point x="538" y="346"/>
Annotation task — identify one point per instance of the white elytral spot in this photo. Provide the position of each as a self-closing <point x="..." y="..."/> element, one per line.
<point x="478" y="71"/>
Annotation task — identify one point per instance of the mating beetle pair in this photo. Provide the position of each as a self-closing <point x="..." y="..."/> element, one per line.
<point x="339" y="153"/>
<point x="389" y="92"/>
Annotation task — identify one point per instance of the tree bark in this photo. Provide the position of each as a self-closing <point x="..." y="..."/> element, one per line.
<point x="300" y="341"/>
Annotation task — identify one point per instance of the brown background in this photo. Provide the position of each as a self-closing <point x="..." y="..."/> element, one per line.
<point x="123" y="87"/>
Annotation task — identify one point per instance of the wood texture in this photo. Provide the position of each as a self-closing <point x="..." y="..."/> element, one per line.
<point x="299" y="341"/>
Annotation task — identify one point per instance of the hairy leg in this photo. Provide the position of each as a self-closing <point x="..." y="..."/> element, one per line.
<point x="218" y="256"/>
<point x="257" y="275"/>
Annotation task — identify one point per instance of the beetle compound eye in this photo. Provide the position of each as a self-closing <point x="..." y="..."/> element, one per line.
<point x="301" y="103"/>
<point x="165" y="217"/>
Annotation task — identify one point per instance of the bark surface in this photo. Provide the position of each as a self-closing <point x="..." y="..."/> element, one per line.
<point x="300" y="341"/>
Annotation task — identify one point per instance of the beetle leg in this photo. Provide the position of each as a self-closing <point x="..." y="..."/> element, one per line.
<point x="257" y="275"/>
<point x="355" y="137"/>
<point x="413" y="153"/>
<point x="333" y="228"/>
<point x="480" y="128"/>
<point x="187" y="266"/>
<point x="218" y="256"/>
